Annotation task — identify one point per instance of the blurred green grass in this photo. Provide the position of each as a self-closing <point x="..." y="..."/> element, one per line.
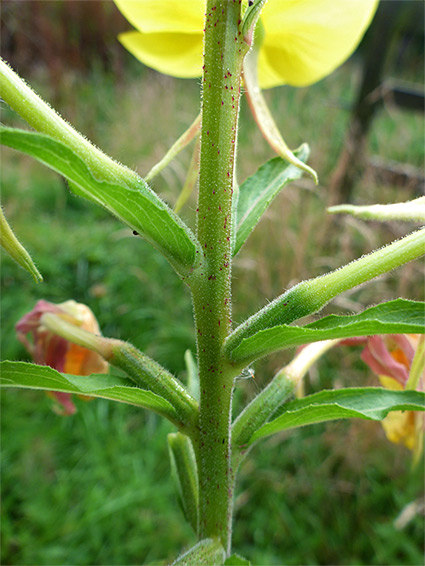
<point x="95" y="488"/>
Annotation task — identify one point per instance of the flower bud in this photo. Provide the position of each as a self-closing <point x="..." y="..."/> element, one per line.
<point x="391" y="358"/>
<point x="47" y="348"/>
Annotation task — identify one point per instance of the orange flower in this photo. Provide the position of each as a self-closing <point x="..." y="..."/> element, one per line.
<point x="49" y="349"/>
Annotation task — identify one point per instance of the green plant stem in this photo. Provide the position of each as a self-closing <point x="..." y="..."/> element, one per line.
<point x="312" y="295"/>
<point x="279" y="390"/>
<point x="224" y="50"/>
<point x="141" y="369"/>
<point x="266" y="403"/>
<point x="147" y="373"/>
<point x="44" y="119"/>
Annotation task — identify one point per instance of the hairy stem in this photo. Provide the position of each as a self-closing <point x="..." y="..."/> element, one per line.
<point x="44" y="119"/>
<point x="312" y="295"/>
<point x="279" y="390"/>
<point x="224" y="49"/>
<point x="141" y="369"/>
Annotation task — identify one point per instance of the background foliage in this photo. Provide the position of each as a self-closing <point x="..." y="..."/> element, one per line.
<point x="95" y="488"/>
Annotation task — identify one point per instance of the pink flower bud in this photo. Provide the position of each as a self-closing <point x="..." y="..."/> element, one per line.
<point x="47" y="348"/>
<point x="390" y="357"/>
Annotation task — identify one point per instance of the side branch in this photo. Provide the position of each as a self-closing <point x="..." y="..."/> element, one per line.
<point x="141" y="369"/>
<point x="312" y="295"/>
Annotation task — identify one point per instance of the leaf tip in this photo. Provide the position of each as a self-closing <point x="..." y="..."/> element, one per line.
<point x="338" y="209"/>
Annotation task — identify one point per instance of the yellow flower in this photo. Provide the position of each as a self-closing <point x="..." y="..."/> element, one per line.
<point x="299" y="42"/>
<point x="304" y="40"/>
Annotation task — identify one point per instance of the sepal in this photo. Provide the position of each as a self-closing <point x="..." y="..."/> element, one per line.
<point x="263" y="117"/>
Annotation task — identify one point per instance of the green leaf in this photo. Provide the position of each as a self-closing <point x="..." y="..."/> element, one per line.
<point x="185" y="472"/>
<point x="32" y="376"/>
<point x="310" y="296"/>
<point x="191" y="178"/>
<point x="207" y="552"/>
<point x="149" y="374"/>
<point x="132" y="201"/>
<point x="370" y="403"/>
<point x="394" y="317"/>
<point x="236" y="560"/>
<point x="176" y="148"/>
<point x="10" y="243"/>
<point x="258" y="191"/>
<point x="145" y="372"/>
<point x="250" y="19"/>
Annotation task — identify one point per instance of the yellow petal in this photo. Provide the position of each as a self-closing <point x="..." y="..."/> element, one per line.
<point x="400" y="427"/>
<point x="268" y="76"/>
<point x="305" y="40"/>
<point x="175" y="54"/>
<point x="185" y="16"/>
<point x="390" y="383"/>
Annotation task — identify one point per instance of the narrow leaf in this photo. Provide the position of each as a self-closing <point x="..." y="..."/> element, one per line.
<point x="413" y="211"/>
<point x="133" y="202"/>
<point x="10" y="243"/>
<point x="250" y="19"/>
<point x="370" y="403"/>
<point x="140" y="368"/>
<point x="32" y="376"/>
<point x="183" y="464"/>
<point x="149" y="374"/>
<point x="176" y="148"/>
<point x="44" y="119"/>
<point x="394" y="317"/>
<point x="191" y="178"/>
<point x="258" y="191"/>
<point x="207" y="552"/>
